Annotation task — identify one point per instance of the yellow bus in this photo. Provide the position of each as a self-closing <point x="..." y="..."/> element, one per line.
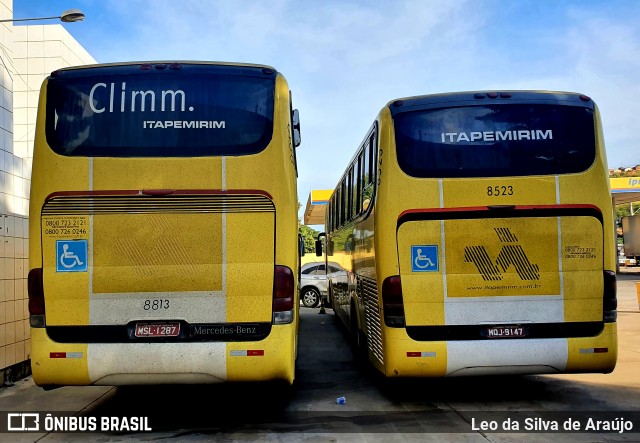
<point x="163" y="225"/>
<point x="475" y="235"/>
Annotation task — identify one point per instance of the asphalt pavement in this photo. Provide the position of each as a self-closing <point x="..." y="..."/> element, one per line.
<point x="326" y="370"/>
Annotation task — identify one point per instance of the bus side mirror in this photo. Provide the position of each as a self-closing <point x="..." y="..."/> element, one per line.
<point x="295" y="117"/>
<point x="349" y="244"/>
<point x="319" y="244"/>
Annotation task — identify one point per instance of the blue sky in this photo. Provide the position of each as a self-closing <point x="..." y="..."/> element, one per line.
<point x="345" y="59"/>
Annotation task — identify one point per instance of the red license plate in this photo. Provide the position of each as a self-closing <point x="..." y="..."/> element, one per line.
<point x="506" y="332"/>
<point x="157" y="329"/>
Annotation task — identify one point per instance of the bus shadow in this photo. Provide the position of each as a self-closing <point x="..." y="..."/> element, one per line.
<point x="198" y="408"/>
<point x="505" y="393"/>
<point x="549" y="392"/>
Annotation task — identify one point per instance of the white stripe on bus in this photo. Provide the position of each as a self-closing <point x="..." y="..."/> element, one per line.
<point x="443" y="265"/>
<point x="154" y="362"/>
<point x="514" y="309"/>
<point x="192" y="306"/>
<point x="494" y="356"/>
<point x="224" y="239"/>
<point x="560" y="270"/>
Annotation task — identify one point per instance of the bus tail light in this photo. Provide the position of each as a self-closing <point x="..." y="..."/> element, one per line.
<point x="36" y="298"/>
<point x="392" y="304"/>
<point x="283" y="296"/>
<point x="609" y="298"/>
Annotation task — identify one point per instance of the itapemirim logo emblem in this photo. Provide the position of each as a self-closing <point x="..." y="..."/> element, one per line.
<point x="511" y="253"/>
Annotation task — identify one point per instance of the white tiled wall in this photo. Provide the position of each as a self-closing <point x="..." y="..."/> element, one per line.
<point x="46" y="48"/>
<point x="14" y="326"/>
<point x="27" y="55"/>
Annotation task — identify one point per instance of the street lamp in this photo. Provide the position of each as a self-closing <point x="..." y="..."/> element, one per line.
<point x="68" y="16"/>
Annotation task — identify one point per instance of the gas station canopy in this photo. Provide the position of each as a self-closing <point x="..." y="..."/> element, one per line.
<point x="317" y="206"/>
<point x="625" y="190"/>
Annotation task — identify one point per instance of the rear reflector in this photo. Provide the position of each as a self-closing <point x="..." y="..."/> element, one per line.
<point x="392" y="303"/>
<point x="594" y="350"/>
<point x="421" y="354"/>
<point x="65" y="355"/>
<point x="247" y="353"/>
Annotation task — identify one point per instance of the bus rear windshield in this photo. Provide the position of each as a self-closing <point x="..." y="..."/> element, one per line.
<point x="182" y="113"/>
<point x="495" y="140"/>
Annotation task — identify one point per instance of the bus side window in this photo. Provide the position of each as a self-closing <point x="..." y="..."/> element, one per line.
<point x="366" y="176"/>
<point x="361" y="179"/>
<point x="350" y="194"/>
<point x="369" y="172"/>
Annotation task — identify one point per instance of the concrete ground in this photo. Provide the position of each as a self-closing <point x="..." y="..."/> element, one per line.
<point x="25" y="396"/>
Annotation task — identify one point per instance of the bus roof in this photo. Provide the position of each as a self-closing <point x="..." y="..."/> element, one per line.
<point x="470" y="98"/>
<point x="167" y="63"/>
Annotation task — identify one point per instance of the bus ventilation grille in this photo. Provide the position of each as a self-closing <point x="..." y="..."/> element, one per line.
<point x="369" y="293"/>
<point x="144" y="204"/>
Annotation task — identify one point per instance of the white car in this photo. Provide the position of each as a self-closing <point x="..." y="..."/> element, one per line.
<point x="313" y="282"/>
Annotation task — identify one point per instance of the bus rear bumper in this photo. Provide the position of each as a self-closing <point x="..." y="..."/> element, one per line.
<point x="412" y="358"/>
<point x="114" y="364"/>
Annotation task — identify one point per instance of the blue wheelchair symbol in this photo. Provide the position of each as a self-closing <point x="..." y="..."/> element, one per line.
<point x="424" y="258"/>
<point x="71" y="256"/>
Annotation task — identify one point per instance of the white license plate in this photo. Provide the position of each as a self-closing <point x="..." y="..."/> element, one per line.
<point x="157" y="329"/>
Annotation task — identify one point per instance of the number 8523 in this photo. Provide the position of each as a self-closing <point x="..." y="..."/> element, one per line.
<point x="497" y="191"/>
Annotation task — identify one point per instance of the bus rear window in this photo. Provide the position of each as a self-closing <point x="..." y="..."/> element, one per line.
<point x="495" y="140"/>
<point x="129" y="112"/>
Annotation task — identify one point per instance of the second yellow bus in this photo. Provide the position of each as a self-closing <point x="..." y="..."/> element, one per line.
<point x="475" y="234"/>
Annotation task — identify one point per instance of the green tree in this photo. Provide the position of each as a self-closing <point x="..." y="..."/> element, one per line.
<point x="309" y="236"/>
<point x="623" y="210"/>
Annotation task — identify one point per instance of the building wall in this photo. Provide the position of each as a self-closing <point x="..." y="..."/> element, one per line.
<point x="39" y="50"/>
<point x="12" y="312"/>
<point x="28" y="54"/>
